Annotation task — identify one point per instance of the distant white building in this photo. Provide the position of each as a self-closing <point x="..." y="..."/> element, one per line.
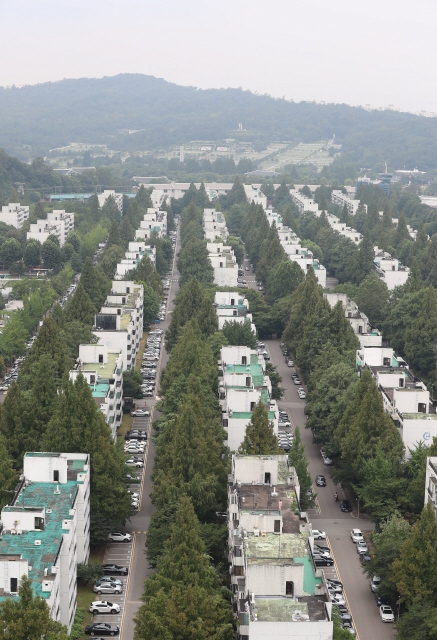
<point x="340" y="198"/>
<point x="390" y="270"/>
<point x="46" y="530"/>
<point x="303" y="203"/>
<point x="254" y="194"/>
<point x="224" y="264"/>
<point x="59" y="223"/>
<point x="154" y="222"/>
<point x="118" y="197"/>
<point x="14" y="214"/>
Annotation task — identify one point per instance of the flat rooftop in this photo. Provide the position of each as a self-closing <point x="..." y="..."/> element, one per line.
<point x="282" y="609"/>
<point x="104" y="371"/>
<point x="41" y="495"/>
<point x="254" y="368"/>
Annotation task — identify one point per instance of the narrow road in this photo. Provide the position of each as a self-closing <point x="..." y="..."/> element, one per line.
<point x="139" y="523"/>
<point x="328" y="516"/>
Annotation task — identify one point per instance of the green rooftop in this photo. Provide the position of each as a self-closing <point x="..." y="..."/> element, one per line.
<point x="124" y="321"/>
<point x="105" y="370"/>
<point x="41" y="495"/>
<point x="246" y="415"/>
<point x="254" y="368"/>
<point x="278" y="609"/>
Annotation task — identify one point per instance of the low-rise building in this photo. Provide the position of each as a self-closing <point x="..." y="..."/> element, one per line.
<point x="231" y="307"/>
<point x="358" y="320"/>
<point x="340" y="198"/>
<point x="303" y="203"/>
<point x="103" y="370"/>
<point x="14" y="214"/>
<point x="242" y="383"/>
<point x="118" y="197"/>
<point x="119" y="324"/>
<point x="59" y="223"/>
<point x="133" y="256"/>
<point x="46" y="530"/>
<point x="214" y="226"/>
<point x="278" y="593"/>
<point x="154" y="222"/>
<point x="390" y="270"/>
<point x="254" y="194"/>
<point x="224" y="264"/>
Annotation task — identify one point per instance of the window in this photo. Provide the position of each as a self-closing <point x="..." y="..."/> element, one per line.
<point x="277" y="526"/>
<point x="232" y="302"/>
<point x="421" y="408"/>
<point x="243" y="359"/>
<point x="289" y="588"/>
<point x="234" y="312"/>
<point x="100" y="358"/>
<point x="386" y="362"/>
<point x="221" y="264"/>
<point x="127" y="289"/>
<point x="55" y="475"/>
<point x="123" y="301"/>
<point x="267" y="478"/>
<point x="401" y="382"/>
<point x="248" y="381"/>
<point x="39" y="524"/>
<point x="92" y="379"/>
<point x="238" y="571"/>
<point x="14" y="585"/>
<point x="360" y="329"/>
<point x="252" y="406"/>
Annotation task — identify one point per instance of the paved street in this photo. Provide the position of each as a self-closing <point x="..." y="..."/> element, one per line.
<point x="328" y="516"/>
<point x="139" y="523"/>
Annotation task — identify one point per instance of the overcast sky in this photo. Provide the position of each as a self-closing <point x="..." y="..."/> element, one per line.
<point x="375" y="52"/>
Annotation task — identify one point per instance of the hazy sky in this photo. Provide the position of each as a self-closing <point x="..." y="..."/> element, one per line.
<point x="373" y="51"/>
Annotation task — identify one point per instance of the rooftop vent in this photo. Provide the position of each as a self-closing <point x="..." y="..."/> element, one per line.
<point x="37" y="543"/>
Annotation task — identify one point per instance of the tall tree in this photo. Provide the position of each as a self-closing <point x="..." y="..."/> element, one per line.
<point x="80" y="307"/>
<point x="239" y="333"/>
<point x="298" y="459"/>
<point x="259" y="438"/>
<point x="421" y="337"/>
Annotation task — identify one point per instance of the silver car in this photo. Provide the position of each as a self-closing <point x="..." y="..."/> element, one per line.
<point x="107" y="587"/>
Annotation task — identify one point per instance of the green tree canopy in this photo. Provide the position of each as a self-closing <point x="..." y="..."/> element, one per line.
<point x="260" y="438"/>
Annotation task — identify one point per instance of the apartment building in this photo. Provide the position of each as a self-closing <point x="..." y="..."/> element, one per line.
<point x="358" y="320"/>
<point x="59" y="223"/>
<point x="303" y="203"/>
<point x="340" y="198"/>
<point x="154" y="222"/>
<point x="231" y="307"/>
<point x="390" y="270"/>
<point x="242" y="383"/>
<point x="342" y="229"/>
<point x="46" y="530"/>
<point x="214" y="225"/>
<point x="103" y="370"/>
<point x="133" y="256"/>
<point x="119" y="324"/>
<point x="431" y="482"/>
<point x="224" y="264"/>
<point x="277" y="591"/>
<point x="405" y="398"/>
<point x="118" y="197"/>
<point x="254" y="194"/>
<point x="14" y="214"/>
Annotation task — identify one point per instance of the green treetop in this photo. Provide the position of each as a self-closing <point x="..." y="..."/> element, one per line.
<point x="260" y="438"/>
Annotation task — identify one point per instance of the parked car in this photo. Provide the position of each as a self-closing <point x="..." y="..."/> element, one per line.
<point x="134" y="462"/>
<point x="327" y="462"/>
<point x="297" y="381"/>
<point x="116" y="569"/>
<point x="374" y="583"/>
<point x="107" y="587"/>
<point x="106" y="579"/>
<point x="319" y="561"/>
<point x="356" y="535"/>
<point x="320" y="481"/>
<point x="103" y="606"/>
<point x="318" y="535"/>
<point x="290" y="363"/>
<point x="362" y="547"/>
<point x="140" y="412"/>
<point x="119" y="536"/>
<point x="301" y="393"/>
<point x="102" y="629"/>
<point x="386" y="613"/>
<point x="345" y="506"/>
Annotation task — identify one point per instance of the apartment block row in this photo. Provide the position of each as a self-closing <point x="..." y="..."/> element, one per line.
<point x="221" y="255"/>
<point x="59" y="223"/>
<point x="390" y="270"/>
<point x="278" y="592"/>
<point x="45" y="530"/>
<point x="405" y="397"/>
<point x="154" y="223"/>
<point x="292" y="246"/>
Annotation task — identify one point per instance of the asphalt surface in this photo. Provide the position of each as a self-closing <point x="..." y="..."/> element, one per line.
<point x="327" y="515"/>
<point x="139" y="523"/>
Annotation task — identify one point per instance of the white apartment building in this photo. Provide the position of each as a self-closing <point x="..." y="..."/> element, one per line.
<point x="278" y="593"/>
<point x="14" y="214"/>
<point x="118" y="197"/>
<point x="103" y="370"/>
<point x="342" y="229"/>
<point x="119" y="324"/>
<point x="242" y="383"/>
<point x="405" y="398"/>
<point x="133" y="256"/>
<point x="390" y="270"/>
<point x="214" y="225"/>
<point x="46" y="530"/>
<point x="303" y="203"/>
<point x="358" y="320"/>
<point x="224" y="264"/>
<point x="231" y="307"/>
<point x="154" y="222"/>
<point x="254" y="194"/>
<point x="59" y="223"/>
<point x="340" y="198"/>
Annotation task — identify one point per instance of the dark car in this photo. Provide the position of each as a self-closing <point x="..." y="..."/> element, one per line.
<point x="380" y="600"/>
<point x="115" y="569"/>
<point x="345" y="505"/>
<point x="102" y="629"/>
<point x="321" y="481"/>
<point x="320" y="561"/>
<point x="364" y="557"/>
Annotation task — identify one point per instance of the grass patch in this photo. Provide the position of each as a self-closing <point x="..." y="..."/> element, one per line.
<point x="141" y="351"/>
<point x="85" y="593"/>
<point x="126" y="424"/>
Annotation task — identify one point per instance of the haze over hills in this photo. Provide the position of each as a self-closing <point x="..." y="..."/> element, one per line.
<point x="34" y="119"/>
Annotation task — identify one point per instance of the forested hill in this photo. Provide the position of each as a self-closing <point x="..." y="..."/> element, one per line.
<point x="34" y="119"/>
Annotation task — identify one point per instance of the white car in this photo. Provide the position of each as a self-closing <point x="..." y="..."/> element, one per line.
<point x="118" y="536"/>
<point x="386" y="613"/>
<point x="140" y="412"/>
<point x="134" y="462"/>
<point x="102" y="606"/>
<point x="374" y="584"/>
<point x="337" y="598"/>
<point x="356" y="535"/>
<point x="290" y="363"/>
<point x="318" y="535"/>
<point x="362" y="547"/>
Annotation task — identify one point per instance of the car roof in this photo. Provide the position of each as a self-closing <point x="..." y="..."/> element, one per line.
<point x="356" y="530"/>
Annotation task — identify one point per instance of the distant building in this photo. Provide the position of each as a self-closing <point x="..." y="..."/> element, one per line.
<point x="59" y="223"/>
<point x="46" y="530"/>
<point x="14" y="214"/>
<point x="118" y="197"/>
